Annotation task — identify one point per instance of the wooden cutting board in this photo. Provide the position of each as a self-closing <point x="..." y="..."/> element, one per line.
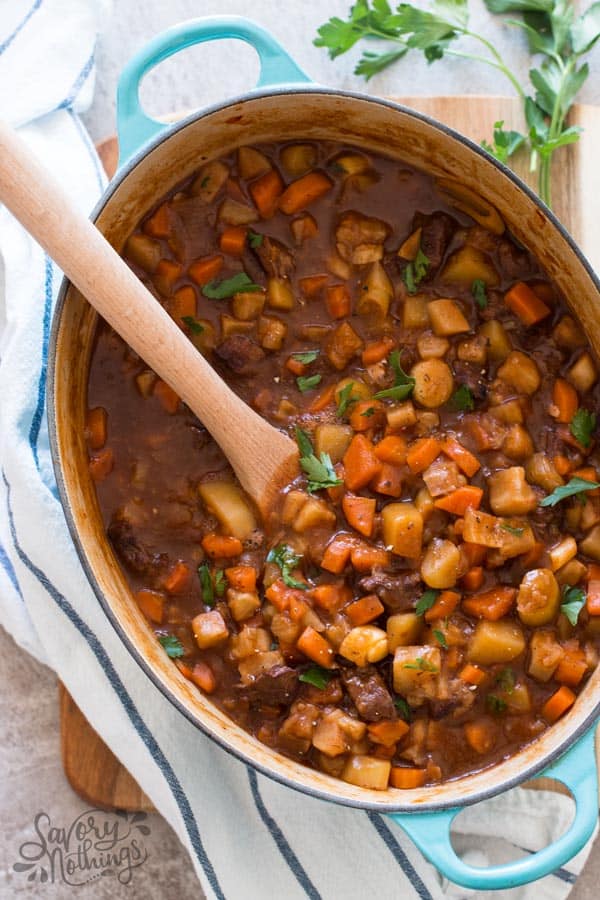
<point x="92" y="770"/>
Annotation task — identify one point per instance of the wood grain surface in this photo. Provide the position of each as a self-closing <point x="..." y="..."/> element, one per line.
<point x="91" y="768"/>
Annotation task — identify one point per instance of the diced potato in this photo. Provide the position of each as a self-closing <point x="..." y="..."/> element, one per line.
<point x="430" y="345"/>
<point x="415" y="668"/>
<point x="583" y="374"/>
<point x="424" y="503"/>
<point x="409" y="249"/>
<point x="590" y="513"/>
<point x="468" y="265"/>
<point x="229" y="505"/>
<point x="540" y="470"/>
<point x="482" y="528"/>
<point x="447" y="318"/>
<point x="145" y="382"/>
<point x="352" y="163"/>
<point x="364" y="644"/>
<point x="209" y="629"/>
<point x="568" y="334"/>
<point x="473" y="350"/>
<point x="510" y="494"/>
<point x="471" y="203"/>
<point x="248" y="306"/>
<point x="427" y="421"/>
<point x="251" y="162"/>
<point x="209" y="181"/>
<point x="545" y="655"/>
<point x="359" y="391"/>
<point x="343" y="343"/>
<point x="253" y="665"/>
<point x="375" y="293"/>
<point x="519" y="699"/>
<point x="297" y="159"/>
<point x="402" y="525"/>
<point x="443" y="476"/>
<point x="272" y="332"/>
<point x="339" y="267"/>
<point x="521" y="372"/>
<point x="293" y="503"/>
<point x="415" y="313"/>
<point x="401" y="416"/>
<point x="510" y="412"/>
<point x="284" y="629"/>
<point x="367" y="772"/>
<point x="231" y="212"/>
<point x="498" y="341"/>
<point x="590" y="545"/>
<point x="574" y="572"/>
<point x="495" y="642"/>
<point x="441" y="564"/>
<point x="434" y="382"/>
<point x="538" y="598"/>
<point x="280" y="294"/>
<point x="249" y="641"/>
<point x="329" y="738"/>
<point x="230" y="325"/>
<point x="403" y="629"/>
<point x="144" y="251"/>
<point x="243" y="604"/>
<point x="314" y="512"/>
<point x="560" y="554"/>
<point x="517" y="537"/>
<point x="333" y="440"/>
<point x="517" y="443"/>
<point x="205" y="340"/>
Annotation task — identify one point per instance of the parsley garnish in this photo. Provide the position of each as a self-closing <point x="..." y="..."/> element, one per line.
<point x="575" y="486"/>
<point x="404" y="710"/>
<point x="479" y="293"/>
<point x="345" y="399"/>
<point x="320" y="471"/>
<point x="206" y="585"/>
<point x="370" y="411"/>
<point x="573" y="601"/>
<point x="220" y="290"/>
<point x="404" y="384"/>
<point x="307" y="382"/>
<point x="172" y="645"/>
<point x="426" y="601"/>
<point x="194" y="326"/>
<point x="422" y="664"/>
<point x="440" y="638"/>
<point x="518" y="532"/>
<point x="205" y="181"/>
<point x="415" y="271"/>
<point x="495" y="704"/>
<point x="317" y="676"/>
<point x="505" y="143"/>
<point x="220" y="583"/>
<point x="254" y="239"/>
<point x="306" y="357"/>
<point x="582" y="426"/>
<point x="284" y="557"/>
<point x="506" y="680"/>
<point x="462" y="400"/>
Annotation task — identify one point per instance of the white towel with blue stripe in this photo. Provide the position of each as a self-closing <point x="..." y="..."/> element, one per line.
<point x="249" y="838"/>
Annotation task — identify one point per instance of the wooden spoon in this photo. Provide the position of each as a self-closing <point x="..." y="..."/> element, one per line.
<point x="263" y="458"/>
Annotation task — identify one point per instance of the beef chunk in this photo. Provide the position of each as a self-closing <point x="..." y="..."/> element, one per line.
<point x="275" y="258"/>
<point x="473" y="376"/>
<point x="360" y="239"/>
<point x="132" y="552"/>
<point x="275" y="687"/>
<point x="240" y="354"/>
<point x="437" y="230"/>
<point x="369" y="694"/>
<point x="399" y="591"/>
<point x="515" y="263"/>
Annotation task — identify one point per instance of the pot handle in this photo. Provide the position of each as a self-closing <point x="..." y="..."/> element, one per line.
<point x="431" y="831"/>
<point x="135" y="128"/>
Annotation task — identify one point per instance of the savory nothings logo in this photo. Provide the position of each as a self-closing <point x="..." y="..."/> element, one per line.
<point x="97" y="844"/>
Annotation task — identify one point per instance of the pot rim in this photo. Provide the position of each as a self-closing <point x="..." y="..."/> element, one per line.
<point x="531" y="769"/>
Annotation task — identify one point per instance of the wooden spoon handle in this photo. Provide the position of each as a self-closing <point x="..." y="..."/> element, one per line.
<point x="257" y="451"/>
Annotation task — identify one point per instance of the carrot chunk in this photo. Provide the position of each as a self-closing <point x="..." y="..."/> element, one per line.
<point x="377" y="351"/>
<point x="332" y="596"/>
<point x="405" y="778"/>
<point x="324" y="399"/>
<point x="480" y="735"/>
<point x="463" y="458"/>
<point x="564" y="397"/>
<point x="96" y="428"/>
<point x="178" y="578"/>
<point x="492" y="604"/>
<point x="558" y="703"/>
<point x="471" y="674"/>
<point x="388" y="732"/>
<point x="101" y="464"/>
<point x="360" y="463"/>
<point x="337" y="554"/>
<point x="204" y="270"/>
<point x="183" y="303"/>
<point x="312" y="285"/>
<point x="266" y="191"/>
<point x="316" y="647"/>
<point x="158" y="224"/>
<point x="391" y="449"/>
<point x="338" y="301"/>
<point x="203" y="676"/>
<point x="445" y="604"/>
<point x="241" y="578"/>
<point x="365" y="610"/>
<point x="303" y="192"/>
<point x="219" y="545"/>
<point x="169" y="400"/>
<point x="360" y="513"/>
<point x="422" y="453"/>
<point x="233" y="240"/>
<point x="593" y="590"/>
<point x="166" y="274"/>
<point x="571" y="668"/>
<point x="473" y="579"/>
<point x="526" y="304"/>
<point x="388" y="481"/>
<point x="458" y="501"/>
<point x="151" y="604"/>
<point x="365" y="558"/>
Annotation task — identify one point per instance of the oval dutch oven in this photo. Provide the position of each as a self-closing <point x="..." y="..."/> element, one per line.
<point x="154" y="158"/>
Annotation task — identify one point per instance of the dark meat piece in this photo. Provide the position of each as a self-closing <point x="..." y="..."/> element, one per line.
<point x="275" y="258"/>
<point x="436" y="233"/>
<point x="515" y="263"/>
<point x="398" y="591"/>
<point x="240" y="354"/>
<point x="275" y="687"/>
<point x="131" y="552"/>
<point x="369" y="694"/>
<point x="359" y="239"/>
<point x="473" y="376"/>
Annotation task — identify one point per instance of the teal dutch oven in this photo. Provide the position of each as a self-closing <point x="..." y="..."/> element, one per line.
<point x="154" y="158"/>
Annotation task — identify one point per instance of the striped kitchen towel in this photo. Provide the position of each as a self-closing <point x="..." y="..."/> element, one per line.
<point x="249" y="838"/>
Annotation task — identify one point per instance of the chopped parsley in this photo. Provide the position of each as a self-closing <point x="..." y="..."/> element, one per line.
<point x="220" y="583"/>
<point x="370" y="411"/>
<point x="574" y="487"/>
<point x="221" y="290"/>
<point x="255" y="239"/>
<point x="479" y="293"/>
<point x="404" y="710"/>
<point x="284" y="557"/>
<point x="205" y="181"/>
<point x="192" y="323"/>
<point x="573" y="601"/>
<point x="426" y="601"/>
<point x="440" y="638"/>
<point x="345" y="399"/>
<point x="422" y="664"/>
<point x="206" y="585"/>
<point x="307" y="382"/>
<point x="306" y="357"/>
<point x="505" y="680"/>
<point x="404" y="384"/>
<point x="512" y="529"/>
<point x="415" y="271"/>
<point x="317" y="676"/>
<point x="462" y="400"/>
<point x="582" y="426"/>
<point x="319" y="470"/>
<point x="172" y="645"/>
<point x="495" y="704"/>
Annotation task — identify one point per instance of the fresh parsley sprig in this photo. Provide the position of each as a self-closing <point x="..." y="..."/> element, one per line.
<point x="287" y="560"/>
<point x="171" y="645"/>
<point x="573" y="601"/>
<point x="319" y="470"/>
<point x="574" y="487"/>
<point x="221" y="290"/>
<point x="583" y="425"/>
<point x="555" y="36"/>
<point x="404" y="384"/>
<point x="415" y="271"/>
